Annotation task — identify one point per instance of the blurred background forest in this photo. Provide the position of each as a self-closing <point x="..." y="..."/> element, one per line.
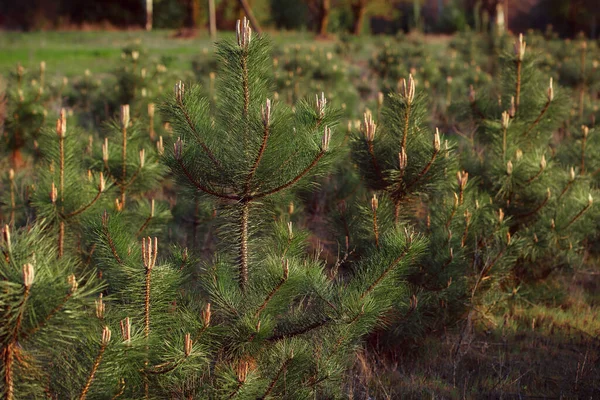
<point x="567" y="17"/>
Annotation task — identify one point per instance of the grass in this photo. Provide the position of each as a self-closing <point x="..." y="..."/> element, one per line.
<point x="71" y="53"/>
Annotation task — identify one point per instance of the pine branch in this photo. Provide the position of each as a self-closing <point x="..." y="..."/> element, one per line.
<point x="293" y="181"/>
<point x="269" y="297"/>
<point x="306" y="329"/>
<point x="50" y="315"/>
<point x="109" y="239"/>
<point x="258" y="158"/>
<point x="202" y="187"/>
<point x="275" y="379"/>
<point x="96" y="365"/>
<point x="84" y="208"/>
<point x="384" y="274"/>
<point x="197" y="136"/>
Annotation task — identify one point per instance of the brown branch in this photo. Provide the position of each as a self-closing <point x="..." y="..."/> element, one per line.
<point x="405" y="134"/>
<point x="383" y="274"/>
<point x="84" y="208"/>
<point x="259" y="156"/>
<point x="301" y="331"/>
<point x="518" y="88"/>
<point x="579" y="214"/>
<point x="374" y="160"/>
<point x="51" y="314"/>
<point x="144" y="225"/>
<point x="538" y="119"/>
<point x="111" y="245"/>
<point x="484" y="272"/>
<point x="275" y="379"/>
<point x="423" y="172"/>
<point x="243" y="261"/>
<point x="201" y="143"/>
<point x="536" y="210"/>
<point x="97" y="362"/>
<point x="293" y="181"/>
<point x="203" y="188"/>
<point x="269" y="297"/>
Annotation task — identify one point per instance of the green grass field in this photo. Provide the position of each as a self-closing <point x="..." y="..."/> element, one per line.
<point x="71" y="53"/>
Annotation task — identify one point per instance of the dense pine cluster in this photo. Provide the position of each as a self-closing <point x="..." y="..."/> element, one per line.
<point x="246" y="237"/>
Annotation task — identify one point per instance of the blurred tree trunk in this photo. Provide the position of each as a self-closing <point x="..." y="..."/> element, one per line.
<point x="325" y="8"/>
<point x="250" y="15"/>
<point x="358" y="16"/>
<point x="212" y="19"/>
<point x="149" y="15"/>
<point x="195" y="14"/>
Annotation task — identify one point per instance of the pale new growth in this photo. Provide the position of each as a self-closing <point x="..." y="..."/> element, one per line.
<point x="206" y="314"/>
<point x="28" y="275"/>
<point x="520" y="46"/>
<point x="179" y="91"/>
<point x="471" y="94"/>
<point x="101" y="184"/>
<point x="149" y="252"/>
<point x="178" y="148"/>
<point x="243" y="32"/>
<point x="125" y="115"/>
<point x="187" y="345"/>
<point x="321" y="103"/>
<point x="407" y="90"/>
<point x="72" y="281"/>
<point x="436" y="140"/>
<point x="126" y="330"/>
<point x="100" y="307"/>
<point x="105" y="150"/>
<point x="505" y="119"/>
<point x="402" y="160"/>
<point x="369" y="126"/>
<point x="543" y="162"/>
<point x="374" y="203"/>
<point x="550" y="91"/>
<point x="105" y="336"/>
<point x="53" y="193"/>
<point x="61" y="124"/>
<point x="326" y="139"/>
<point x="265" y="112"/>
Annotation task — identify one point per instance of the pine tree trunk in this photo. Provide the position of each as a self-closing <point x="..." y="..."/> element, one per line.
<point x="243" y="262"/>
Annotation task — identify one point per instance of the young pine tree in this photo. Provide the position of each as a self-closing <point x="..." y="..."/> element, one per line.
<point x="547" y="205"/>
<point x="282" y="327"/>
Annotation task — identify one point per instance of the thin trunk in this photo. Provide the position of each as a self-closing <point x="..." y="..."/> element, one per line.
<point x="251" y="17"/>
<point x="8" y="360"/>
<point x="358" y="14"/>
<point x="243" y="262"/>
<point x="124" y="167"/>
<point x="149" y="10"/>
<point x="324" y="17"/>
<point x="212" y="19"/>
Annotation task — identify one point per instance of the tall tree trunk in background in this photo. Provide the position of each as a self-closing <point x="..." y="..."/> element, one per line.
<point x="149" y="15"/>
<point x="212" y="19"/>
<point x="358" y="16"/>
<point x="196" y="13"/>
<point x="325" y="8"/>
<point x="250" y="15"/>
